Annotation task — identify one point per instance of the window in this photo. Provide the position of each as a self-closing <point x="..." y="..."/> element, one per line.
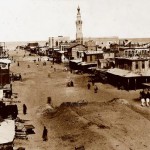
<point x="96" y="57"/>
<point x="56" y="43"/>
<point x="143" y="64"/>
<point x="125" y="66"/>
<point x="90" y="57"/>
<point x="77" y="54"/>
<point x="136" y="66"/>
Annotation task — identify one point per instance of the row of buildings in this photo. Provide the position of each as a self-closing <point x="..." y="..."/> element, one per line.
<point x="8" y="111"/>
<point x="123" y="62"/>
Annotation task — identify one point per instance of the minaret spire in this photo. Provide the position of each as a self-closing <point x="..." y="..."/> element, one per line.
<point x="78" y="10"/>
<point x="79" y="35"/>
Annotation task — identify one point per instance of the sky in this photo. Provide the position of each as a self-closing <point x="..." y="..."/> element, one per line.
<point x="28" y="20"/>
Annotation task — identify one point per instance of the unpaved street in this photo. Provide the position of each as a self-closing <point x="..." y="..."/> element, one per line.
<point x="102" y="124"/>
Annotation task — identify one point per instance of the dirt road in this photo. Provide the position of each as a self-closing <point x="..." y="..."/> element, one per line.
<point x="99" y="125"/>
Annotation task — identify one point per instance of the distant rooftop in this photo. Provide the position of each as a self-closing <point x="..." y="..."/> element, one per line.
<point x="93" y="52"/>
<point x="134" y="58"/>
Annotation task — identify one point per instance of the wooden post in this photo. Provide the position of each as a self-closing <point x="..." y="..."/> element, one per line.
<point x="135" y="84"/>
<point x="128" y="84"/>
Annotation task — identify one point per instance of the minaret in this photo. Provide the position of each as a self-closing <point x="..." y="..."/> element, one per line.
<point x="79" y="35"/>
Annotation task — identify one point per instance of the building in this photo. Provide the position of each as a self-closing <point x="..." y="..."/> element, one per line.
<point x="130" y="72"/>
<point x="32" y="47"/>
<point x="43" y="51"/>
<point x="75" y="51"/>
<point x="92" y="56"/>
<point x="141" y="52"/>
<point x="89" y="60"/>
<point x="4" y="72"/>
<point x="74" y="54"/>
<point x="102" y="42"/>
<point x="79" y="35"/>
<point x="61" y="53"/>
<point x="135" y="42"/>
<point x="2" y="49"/>
<point x="91" y="45"/>
<point x="107" y="61"/>
<point x="55" y="42"/>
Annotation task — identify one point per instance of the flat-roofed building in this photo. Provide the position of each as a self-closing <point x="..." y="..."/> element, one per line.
<point x="55" y="42"/>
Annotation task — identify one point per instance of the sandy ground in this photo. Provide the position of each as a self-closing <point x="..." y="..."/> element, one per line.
<point x="103" y="124"/>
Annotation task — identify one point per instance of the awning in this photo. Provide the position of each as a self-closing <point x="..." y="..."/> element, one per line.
<point x="146" y="84"/>
<point x="7" y="131"/>
<point x="5" y="61"/>
<point x="76" y="61"/>
<point x="122" y="73"/>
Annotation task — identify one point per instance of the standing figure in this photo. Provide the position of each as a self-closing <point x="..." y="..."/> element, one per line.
<point x="95" y="88"/>
<point x="93" y="82"/>
<point x="20" y="77"/>
<point x="71" y="83"/>
<point x="18" y="63"/>
<point x="44" y="136"/>
<point x="88" y="86"/>
<point x="24" y="109"/>
<point x="143" y="97"/>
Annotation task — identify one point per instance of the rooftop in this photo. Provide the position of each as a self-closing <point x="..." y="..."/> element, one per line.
<point x="127" y="73"/>
<point x="122" y="72"/>
<point x="133" y="58"/>
<point x="93" y="52"/>
<point x="5" y="61"/>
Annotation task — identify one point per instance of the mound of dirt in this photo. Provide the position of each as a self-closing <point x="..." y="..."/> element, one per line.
<point x="118" y="100"/>
<point x="45" y="110"/>
<point x="107" y="125"/>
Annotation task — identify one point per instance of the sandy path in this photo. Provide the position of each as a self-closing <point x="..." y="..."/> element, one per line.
<point x="36" y="87"/>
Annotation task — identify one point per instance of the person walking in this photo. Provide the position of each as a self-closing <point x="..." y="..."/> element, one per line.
<point x="44" y="136"/>
<point x="95" y="88"/>
<point x="24" y="109"/>
<point x="88" y="86"/>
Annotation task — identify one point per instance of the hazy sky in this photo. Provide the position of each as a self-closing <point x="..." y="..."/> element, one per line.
<point x="39" y="19"/>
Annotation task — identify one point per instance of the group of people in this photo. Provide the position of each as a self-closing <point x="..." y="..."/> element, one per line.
<point x="95" y="87"/>
<point x="145" y="97"/>
<point x="70" y="84"/>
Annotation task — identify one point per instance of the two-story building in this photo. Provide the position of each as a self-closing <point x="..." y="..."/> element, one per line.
<point x="74" y="54"/>
<point x="130" y="72"/>
<point x="89" y="59"/>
